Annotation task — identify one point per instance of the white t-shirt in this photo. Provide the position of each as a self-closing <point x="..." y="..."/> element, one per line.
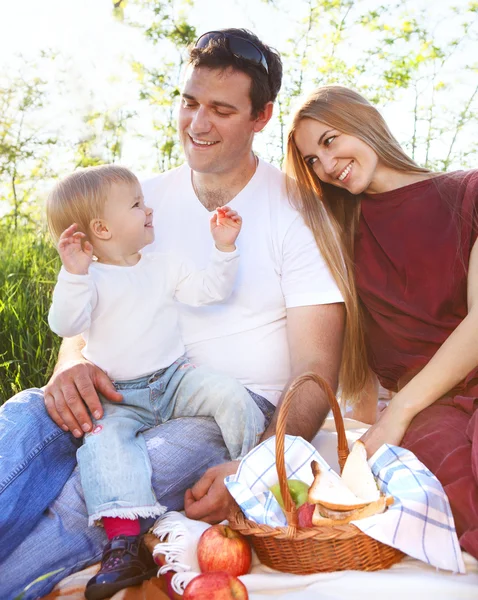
<point x="280" y="267"/>
<point x="128" y="316"/>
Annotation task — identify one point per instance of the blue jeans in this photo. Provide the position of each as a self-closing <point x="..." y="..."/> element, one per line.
<point x="38" y="533"/>
<point x="114" y="464"/>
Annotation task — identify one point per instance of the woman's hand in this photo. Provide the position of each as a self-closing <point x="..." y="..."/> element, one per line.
<point x="225" y="227"/>
<point x="75" y="251"/>
<point x="390" y="428"/>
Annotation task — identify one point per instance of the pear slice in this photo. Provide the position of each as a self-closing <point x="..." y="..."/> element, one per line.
<point x="358" y="476"/>
<point x="331" y="491"/>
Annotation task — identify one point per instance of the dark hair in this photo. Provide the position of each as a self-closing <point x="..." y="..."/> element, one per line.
<point x="216" y="55"/>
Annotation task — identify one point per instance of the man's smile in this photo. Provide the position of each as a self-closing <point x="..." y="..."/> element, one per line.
<point x="202" y="143"/>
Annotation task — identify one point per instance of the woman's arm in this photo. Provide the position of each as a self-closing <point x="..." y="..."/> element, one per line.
<point x="453" y="361"/>
<point x="365" y="408"/>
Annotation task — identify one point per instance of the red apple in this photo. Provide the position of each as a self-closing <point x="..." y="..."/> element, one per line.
<point x="215" y="585"/>
<point x="304" y="514"/>
<point x="222" y="549"/>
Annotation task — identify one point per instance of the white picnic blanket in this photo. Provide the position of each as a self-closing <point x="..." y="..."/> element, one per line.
<point x="410" y="578"/>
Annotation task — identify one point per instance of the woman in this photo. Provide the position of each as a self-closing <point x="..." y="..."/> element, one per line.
<point x="408" y="236"/>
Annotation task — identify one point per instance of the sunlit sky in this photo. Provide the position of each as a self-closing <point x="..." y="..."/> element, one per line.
<point x="99" y="46"/>
<point x="95" y="49"/>
<point x="88" y="27"/>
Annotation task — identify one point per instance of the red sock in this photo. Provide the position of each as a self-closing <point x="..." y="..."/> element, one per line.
<point x="115" y="526"/>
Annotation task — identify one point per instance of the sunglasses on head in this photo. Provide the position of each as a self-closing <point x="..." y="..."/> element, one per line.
<point x="239" y="47"/>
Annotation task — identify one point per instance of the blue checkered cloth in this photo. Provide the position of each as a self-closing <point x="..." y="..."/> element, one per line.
<point x="419" y="522"/>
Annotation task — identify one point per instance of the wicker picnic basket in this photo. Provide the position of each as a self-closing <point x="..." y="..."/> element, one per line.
<point x="304" y="550"/>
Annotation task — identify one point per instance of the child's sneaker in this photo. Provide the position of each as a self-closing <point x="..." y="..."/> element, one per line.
<point x="126" y="561"/>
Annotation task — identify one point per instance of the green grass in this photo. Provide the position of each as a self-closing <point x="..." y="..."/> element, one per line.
<point x="28" y="268"/>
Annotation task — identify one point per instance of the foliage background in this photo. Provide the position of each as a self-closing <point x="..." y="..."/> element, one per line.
<point x="60" y="109"/>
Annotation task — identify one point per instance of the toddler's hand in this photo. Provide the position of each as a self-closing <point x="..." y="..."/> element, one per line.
<point x="225" y="227"/>
<point x="76" y="258"/>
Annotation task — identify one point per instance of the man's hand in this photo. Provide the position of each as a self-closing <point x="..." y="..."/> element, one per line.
<point x="208" y="500"/>
<point x="72" y="392"/>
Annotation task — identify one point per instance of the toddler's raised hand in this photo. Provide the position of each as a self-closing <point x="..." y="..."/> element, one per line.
<point x="225" y="227"/>
<point x="75" y="256"/>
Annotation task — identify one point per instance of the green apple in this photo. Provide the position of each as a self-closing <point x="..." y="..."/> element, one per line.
<point x="298" y="490"/>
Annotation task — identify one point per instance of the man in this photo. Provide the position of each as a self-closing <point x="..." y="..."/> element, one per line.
<point x="284" y="317"/>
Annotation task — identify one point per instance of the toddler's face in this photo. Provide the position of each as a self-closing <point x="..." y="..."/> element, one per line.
<point x="129" y="220"/>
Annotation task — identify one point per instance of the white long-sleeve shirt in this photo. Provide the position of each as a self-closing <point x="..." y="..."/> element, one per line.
<point x="128" y="316"/>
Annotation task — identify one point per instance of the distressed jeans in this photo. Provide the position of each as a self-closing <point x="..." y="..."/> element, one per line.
<point x="41" y="531"/>
<point x="114" y="464"/>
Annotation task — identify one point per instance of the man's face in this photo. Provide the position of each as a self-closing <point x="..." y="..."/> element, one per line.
<point x="215" y="122"/>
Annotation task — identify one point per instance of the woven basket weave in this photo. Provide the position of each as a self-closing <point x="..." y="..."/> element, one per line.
<point x="304" y="550"/>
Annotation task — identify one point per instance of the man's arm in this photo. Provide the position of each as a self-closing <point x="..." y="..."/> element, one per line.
<point x="315" y="335"/>
<point x="71" y="394"/>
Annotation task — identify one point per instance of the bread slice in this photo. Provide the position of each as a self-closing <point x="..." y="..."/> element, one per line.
<point x="319" y="517"/>
<point x="331" y="491"/>
<point x="358" y="476"/>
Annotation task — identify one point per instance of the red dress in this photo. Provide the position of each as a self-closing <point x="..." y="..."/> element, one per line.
<point x="412" y="253"/>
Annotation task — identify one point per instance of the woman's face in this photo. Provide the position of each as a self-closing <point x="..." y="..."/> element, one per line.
<point x="337" y="158"/>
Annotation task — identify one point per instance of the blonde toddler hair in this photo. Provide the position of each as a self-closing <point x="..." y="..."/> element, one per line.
<point x="81" y="196"/>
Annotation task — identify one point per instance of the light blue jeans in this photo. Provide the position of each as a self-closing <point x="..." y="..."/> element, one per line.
<point x="114" y="464"/>
<point x="41" y="531"/>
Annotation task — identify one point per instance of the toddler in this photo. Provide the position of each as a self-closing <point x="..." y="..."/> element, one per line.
<point x="122" y="302"/>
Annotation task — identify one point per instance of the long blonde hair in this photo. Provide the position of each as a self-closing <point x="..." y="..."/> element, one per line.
<point x="332" y="213"/>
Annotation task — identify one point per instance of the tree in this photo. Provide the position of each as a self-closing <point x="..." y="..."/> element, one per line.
<point x="24" y="146"/>
<point x="390" y="53"/>
<point x="439" y="79"/>
<point x="165" y="25"/>
<point x="102" y="140"/>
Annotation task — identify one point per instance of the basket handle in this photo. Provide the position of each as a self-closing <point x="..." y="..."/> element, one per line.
<point x="342" y="446"/>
